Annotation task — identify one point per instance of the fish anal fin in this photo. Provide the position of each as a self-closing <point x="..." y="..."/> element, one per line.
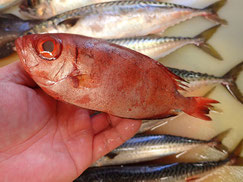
<point x="181" y="86"/>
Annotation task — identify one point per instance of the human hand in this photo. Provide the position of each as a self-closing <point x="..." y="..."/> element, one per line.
<point x="42" y="139"/>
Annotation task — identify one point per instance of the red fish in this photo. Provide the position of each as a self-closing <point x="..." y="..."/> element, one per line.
<point x="102" y="76"/>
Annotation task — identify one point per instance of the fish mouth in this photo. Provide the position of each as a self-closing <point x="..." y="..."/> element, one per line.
<point x="25" y="52"/>
<point x="19" y="49"/>
<point x="19" y="44"/>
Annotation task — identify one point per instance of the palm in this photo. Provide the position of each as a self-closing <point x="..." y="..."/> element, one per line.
<point x="42" y="139"/>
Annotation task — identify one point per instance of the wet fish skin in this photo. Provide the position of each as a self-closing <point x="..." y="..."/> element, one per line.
<point x="99" y="20"/>
<point x="164" y="173"/>
<point x="143" y="148"/>
<point x="112" y="20"/>
<point x="157" y="47"/>
<point x="171" y="172"/>
<point x="120" y="91"/>
<point x="43" y="9"/>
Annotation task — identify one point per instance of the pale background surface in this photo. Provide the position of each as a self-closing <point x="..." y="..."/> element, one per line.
<point x="229" y="43"/>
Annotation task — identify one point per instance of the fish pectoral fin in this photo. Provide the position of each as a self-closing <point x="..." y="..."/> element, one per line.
<point x="69" y="22"/>
<point x="83" y="80"/>
<point x="111" y="155"/>
<point x="192" y="178"/>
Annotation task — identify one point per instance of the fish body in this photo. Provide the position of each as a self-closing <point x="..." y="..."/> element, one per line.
<point x="165" y="173"/>
<point x="157" y="47"/>
<point x="121" y="19"/>
<point x="143" y="148"/>
<point x="43" y="9"/>
<point x="95" y="74"/>
<point x="5" y="4"/>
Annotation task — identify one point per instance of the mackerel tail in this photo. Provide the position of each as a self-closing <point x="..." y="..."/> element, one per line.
<point x="11" y="27"/>
<point x="171" y="172"/>
<point x="231" y="85"/>
<point x="206" y="47"/>
<point x="213" y="12"/>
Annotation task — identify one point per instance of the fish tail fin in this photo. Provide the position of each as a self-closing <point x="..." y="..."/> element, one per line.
<point x="231" y="85"/>
<point x="212" y="12"/>
<point x="234" y="156"/>
<point x="199" y="107"/>
<point x="216" y="142"/>
<point x="206" y="47"/>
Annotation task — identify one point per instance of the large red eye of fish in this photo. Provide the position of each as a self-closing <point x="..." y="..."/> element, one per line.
<point x="49" y="48"/>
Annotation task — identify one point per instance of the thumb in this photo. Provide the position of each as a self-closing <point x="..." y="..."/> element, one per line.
<point x="76" y="132"/>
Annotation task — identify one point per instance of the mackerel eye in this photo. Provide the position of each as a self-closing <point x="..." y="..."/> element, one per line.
<point x="49" y="48"/>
